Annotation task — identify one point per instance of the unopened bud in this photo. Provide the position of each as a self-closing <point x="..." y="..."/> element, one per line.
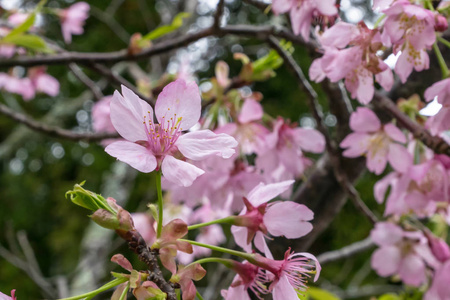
<point x="87" y="199"/>
<point x="441" y="23"/>
<point x="137" y="44"/>
<point x="439" y="248"/>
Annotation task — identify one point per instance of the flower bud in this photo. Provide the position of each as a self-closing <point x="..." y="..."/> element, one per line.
<point x="137" y="44"/>
<point x="87" y="199"/>
<point x="439" y="248"/>
<point x="441" y="23"/>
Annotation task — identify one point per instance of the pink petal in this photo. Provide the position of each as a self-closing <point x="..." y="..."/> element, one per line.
<point x="316" y="72"/>
<point x="240" y="237"/>
<point x="403" y="67"/>
<point x="283" y="290"/>
<point x="386" y="260"/>
<point x="198" y="145"/>
<point x="380" y="188"/>
<point x="122" y="261"/>
<point x="259" y="241"/>
<point x="233" y="293"/>
<point x="309" y="140"/>
<point x="385" y="79"/>
<point x="376" y="161"/>
<point x="288" y="219"/>
<point x="181" y="101"/>
<point x="327" y="7"/>
<point x="133" y="154"/>
<point x="47" y="84"/>
<point x="339" y="35"/>
<point x="386" y="234"/>
<point x="364" y="120"/>
<point x="127" y="115"/>
<point x="394" y="133"/>
<point x="399" y="158"/>
<point x="412" y="270"/>
<point x="250" y="111"/>
<point x="262" y="193"/>
<point x="179" y="172"/>
<point x="357" y="144"/>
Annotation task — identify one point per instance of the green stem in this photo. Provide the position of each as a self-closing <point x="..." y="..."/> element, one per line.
<point x="247" y="256"/>
<point x="379" y="21"/>
<point x="198" y="295"/>
<point x="441" y="60"/>
<point x="103" y="288"/>
<point x="160" y="204"/>
<point x="225" y="261"/>
<point x="227" y="220"/>
<point x="124" y="292"/>
<point x="443" y="41"/>
<point x="429" y="5"/>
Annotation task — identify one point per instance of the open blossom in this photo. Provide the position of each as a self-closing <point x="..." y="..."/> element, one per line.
<point x="42" y="82"/>
<point x="281" y="218"/>
<point x="441" y="121"/>
<point x="249" y="277"/>
<point x="377" y="142"/>
<point x="409" y="28"/>
<point x="151" y="146"/>
<point x="72" y="20"/>
<point x="101" y="115"/>
<point x="350" y="53"/>
<point x="6" y="297"/>
<point x="185" y="275"/>
<point x="401" y="252"/>
<point x="285" y="146"/>
<point x="302" y="12"/>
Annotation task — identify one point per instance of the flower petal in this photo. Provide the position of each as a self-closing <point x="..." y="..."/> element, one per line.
<point x="399" y="158"/>
<point x="394" y="133"/>
<point x="181" y="101"/>
<point x="283" y="290"/>
<point x="288" y="219"/>
<point x="179" y="172"/>
<point x="198" y="145"/>
<point x="364" y="120"/>
<point x="262" y="193"/>
<point x="250" y="111"/>
<point x="385" y="261"/>
<point x="309" y="139"/>
<point x="412" y="270"/>
<point x="133" y="154"/>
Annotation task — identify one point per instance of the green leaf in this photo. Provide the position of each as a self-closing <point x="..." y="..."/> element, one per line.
<point x="29" y="41"/>
<point x="389" y="296"/>
<point x="165" y="29"/>
<point x="26" y="25"/>
<point x="319" y="294"/>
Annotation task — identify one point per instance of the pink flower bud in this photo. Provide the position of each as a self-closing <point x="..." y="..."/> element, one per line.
<point x="439" y="248"/>
<point x="441" y="24"/>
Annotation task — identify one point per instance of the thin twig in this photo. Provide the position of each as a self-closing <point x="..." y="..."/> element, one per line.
<point x="346" y="251"/>
<point x="53" y="131"/>
<point x="81" y="76"/>
<point x="219" y="13"/>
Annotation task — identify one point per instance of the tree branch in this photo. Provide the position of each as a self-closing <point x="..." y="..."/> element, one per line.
<point x="346" y="251"/>
<point x="53" y="131"/>
<point x="218" y="15"/>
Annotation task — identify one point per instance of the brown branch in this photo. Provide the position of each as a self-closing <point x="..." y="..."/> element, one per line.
<point x="53" y="131"/>
<point x="316" y="110"/>
<point x="346" y="251"/>
<point x="83" y="78"/>
<point x="218" y="15"/>
<point x="137" y="244"/>
<point x="437" y="144"/>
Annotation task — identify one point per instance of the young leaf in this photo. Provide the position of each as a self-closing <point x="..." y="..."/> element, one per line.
<point x="319" y="294"/>
<point x="29" y="41"/>
<point x="165" y="29"/>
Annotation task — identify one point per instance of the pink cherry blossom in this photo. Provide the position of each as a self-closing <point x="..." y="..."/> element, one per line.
<point x="284" y="148"/>
<point x="42" y="82"/>
<point x="351" y="54"/>
<point x="409" y="28"/>
<point x="248" y="131"/>
<point x="302" y="13"/>
<point x="440" y="122"/>
<point x="101" y="115"/>
<point x="377" y="142"/>
<point x="401" y="252"/>
<point x="279" y="218"/>
<point x="151" y="146"/>
<point x="6" y="297"/>
<point x="290" y="274"/>
<point x="441" y="90"/>
<point x="72" y="20"/>
<point x="248" y="276"/>
<point x="440" y="288"/>
<point x="185" y="276"/>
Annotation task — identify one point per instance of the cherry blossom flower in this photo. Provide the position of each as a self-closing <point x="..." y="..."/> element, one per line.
<point x="440" y="288"/>
<point x="290" y="274"/>
<point x="302" y="12"/>
<point x="351" y="53"/>
<point x="401" y="252"/>
<point x="151" y="146"/>
<point x="279" y="218"/>
<point x="42" y="82"/>
<point x="410" y="29"/>
<point x="441" y="121"/>
<point x="6" y="297"/>
<point x="72" y="20"/>
<point x="248" y="131"/>
<point x="248" y="276"/>
<point x="284" y="148"/>
<point x="101" y="115"/>
<point x="377" y="142"/>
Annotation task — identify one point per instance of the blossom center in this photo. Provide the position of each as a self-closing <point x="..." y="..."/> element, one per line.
<point x="161" y="137"/>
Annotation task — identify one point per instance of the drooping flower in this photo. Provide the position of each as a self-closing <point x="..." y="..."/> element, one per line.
<point x="401" y="252"/>
<point x="377" y="142"/>
<point x="281" y="218"/>
<point x="409" y="28"/>
<point x="248" y="277"/>
<point x="185" y="275"/>
<point x="151" y="146"/>
<point x="72" y="20"/>
<point x="302" y="13"/>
